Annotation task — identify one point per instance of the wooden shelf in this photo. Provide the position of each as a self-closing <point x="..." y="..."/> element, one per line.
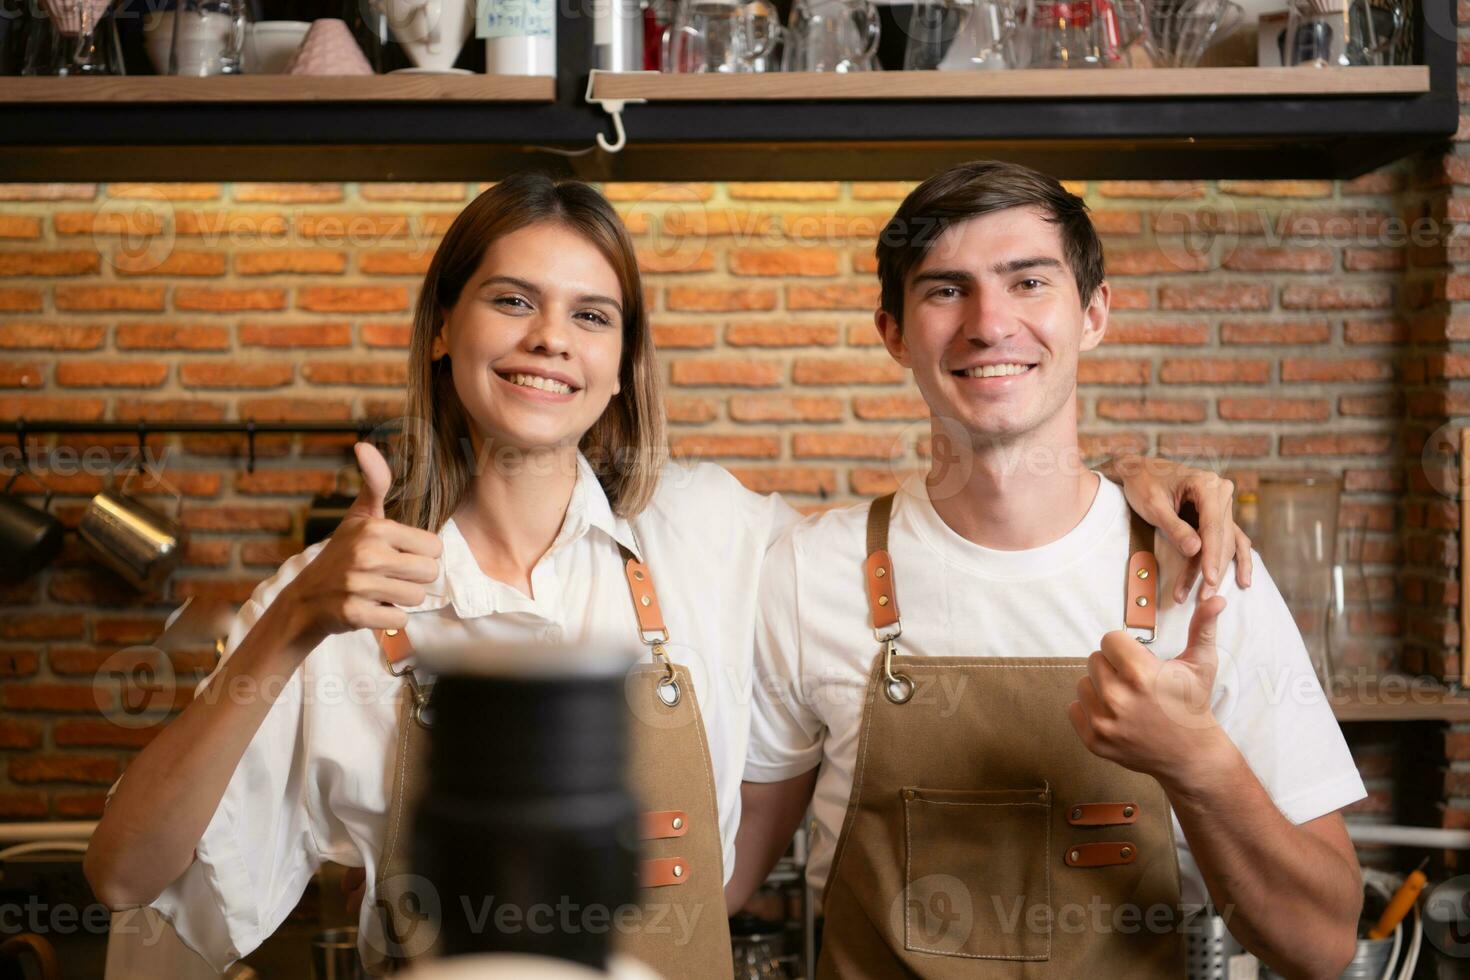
<point x="1396" y="698"/>
<point x="1043" y="83"/>
<point x="280" y="89"/>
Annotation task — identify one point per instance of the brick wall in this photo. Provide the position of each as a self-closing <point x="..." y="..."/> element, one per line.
<point x="1257" y="325"/>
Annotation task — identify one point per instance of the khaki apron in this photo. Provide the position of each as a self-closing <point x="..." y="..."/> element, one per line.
<point x="681" y="929"/>
<point x="992" y="843"/>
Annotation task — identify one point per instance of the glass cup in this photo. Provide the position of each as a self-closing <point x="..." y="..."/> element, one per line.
<point x="208" y="37"/>
<point x="1341" y="33"/>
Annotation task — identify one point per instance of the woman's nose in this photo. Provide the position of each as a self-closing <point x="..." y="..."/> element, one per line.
<point x="548" y="334"/>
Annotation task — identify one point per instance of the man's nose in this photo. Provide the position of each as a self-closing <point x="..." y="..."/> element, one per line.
<point x="990" y="319"/>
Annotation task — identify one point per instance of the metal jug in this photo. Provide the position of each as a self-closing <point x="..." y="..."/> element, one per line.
<point x="133" y="539"/>
<point x="29" y="536"/>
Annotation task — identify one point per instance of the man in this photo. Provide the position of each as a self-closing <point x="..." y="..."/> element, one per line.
<point x="1026" y="757"/>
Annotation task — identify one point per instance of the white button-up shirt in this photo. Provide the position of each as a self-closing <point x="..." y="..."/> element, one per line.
<point x="313" y="785"/>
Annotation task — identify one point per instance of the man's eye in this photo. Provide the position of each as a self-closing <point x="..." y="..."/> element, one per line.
<point x="948" y="292"/>
<point x="1031" y="284"/>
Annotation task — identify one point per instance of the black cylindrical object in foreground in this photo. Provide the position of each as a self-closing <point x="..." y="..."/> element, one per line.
<point x="526" y="827"/>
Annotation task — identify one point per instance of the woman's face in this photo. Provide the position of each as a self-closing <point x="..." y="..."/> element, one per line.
<point x="536" y="338"/>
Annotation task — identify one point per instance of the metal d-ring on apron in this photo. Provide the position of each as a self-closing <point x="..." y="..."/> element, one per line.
<point x="681" y="930"/>
<point x="977" y="834"/>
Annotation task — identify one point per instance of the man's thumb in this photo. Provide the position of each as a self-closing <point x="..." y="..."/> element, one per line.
<point x="376" y="479"/>
<point x="1202" y="628"/>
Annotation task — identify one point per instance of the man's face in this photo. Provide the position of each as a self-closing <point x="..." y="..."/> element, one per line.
<point x="993" y="325"/>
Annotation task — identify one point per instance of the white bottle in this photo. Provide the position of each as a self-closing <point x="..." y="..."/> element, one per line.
<point x="520" y="36"/>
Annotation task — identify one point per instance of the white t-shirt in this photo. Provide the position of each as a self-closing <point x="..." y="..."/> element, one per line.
<point x="313" y="785"/>
<point x="815" y="647"/>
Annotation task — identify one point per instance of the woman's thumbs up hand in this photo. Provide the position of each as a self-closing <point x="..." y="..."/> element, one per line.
<point x="368" y="568"/>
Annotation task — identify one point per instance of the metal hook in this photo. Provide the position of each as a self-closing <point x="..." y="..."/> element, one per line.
<point x="20" y="440"/>
<point x="142" y="444"/>
<point x="250" y="446"/>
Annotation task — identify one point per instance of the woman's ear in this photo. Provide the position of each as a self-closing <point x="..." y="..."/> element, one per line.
<point x="440" y="347"/>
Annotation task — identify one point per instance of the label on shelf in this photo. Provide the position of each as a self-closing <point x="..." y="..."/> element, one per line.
<point x="515" y="18"/>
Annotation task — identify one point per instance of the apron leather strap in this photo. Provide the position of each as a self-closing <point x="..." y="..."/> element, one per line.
<point x="1141" y="611"/>
<point x="878" y="567"/>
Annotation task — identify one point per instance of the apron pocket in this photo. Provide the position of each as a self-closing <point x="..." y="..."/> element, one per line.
<point x="977" y="872"/>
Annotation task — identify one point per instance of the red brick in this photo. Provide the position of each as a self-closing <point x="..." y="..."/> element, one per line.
<point x="63" y="768"/>
<point x="285" y="193"/>
<point x="20" y="300"/>
<point x="284" y="261"/>
<point x="747" y="447"/>
<point x="1231" y="296"/>
<point x="228" y="225"/>
<point x="126" y="630"/>
<point x="720" y="299"/>
<point x="32" y="696"/>
<point x="784" y="262"/>
<point x="20" y="735"/>
<point x="17" y="805"/>
<point x="52" y="262"/>
<point x="1151" y="409"/>
<point x="788" y="479"/>
<point x="177" y="262"/>
<point x="1273" y="332"/>
<point x="1277" y="188"/>
<point x="806" y="190"/>
<point x="683" y="336"/>
<point x="641" y="191"/>
<point x="352" y="299"/>
<point x="849" y="370"/>
<point x="79" y="806"/>
<point x="1213" y="447"/>
<point x="295" y="409"/>
<point x="889" y="407"/>
<point x="391" y="373"/>
<point x="396" y="335"/>
<point x="235" y="375"/>
<point x="17" y="661"/>
<point x="1338" y="444"/>
<point x="150" y="410"/>
<point x="690" y="410"/>
<point x="1214" y="371"/>
<point x="726" y="371"/>
<point x="233" y="517"/>
<point x="171" y="191"/>
<point x="48" y="192"/>
<point x="111" y="374"/>
<point x="162" y="335"/>
<point x="1154" y="261"/>
<point x="846" y="445"/>
<point x="1363" y="296"/>
<point x="18" y="226"/>
<point x="401" y="191"/>
<point x="34" y="335"/>
<point x="141" y="221"/>
<point x="293" y="482"/>
<point x="51" y="407"/>
<point x="1112" y="371"/>
<point x="784" y="408"/>
<point x="295" y="335"/>
<point x="787" y="334"/>
<point x="98" y="298"/>
<point x="1370" y="406"/>
<point x="356" y="229"/>
<point x="1337" y="369"/>
<point x="1174" y="332"/>
<point x="32" y="626"/>
<point x="835" y="297"/>
<point x="1372" y="259"/>
<point x="1273" y="409"/>
<point x="1375" y="331"/>
<point x="22" y="375"/>
<point x="395" y="262"/>
<point x="270" y="553"/>
<point x="702" y="222"/>
<point x="1260" y="258"/>
<point x="1156" y="189"/>
<point x="228" y="300"/>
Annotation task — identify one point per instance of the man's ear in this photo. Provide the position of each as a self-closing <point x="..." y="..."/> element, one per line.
<point x="892" y="335"/>
<point x="1095" y="317"/>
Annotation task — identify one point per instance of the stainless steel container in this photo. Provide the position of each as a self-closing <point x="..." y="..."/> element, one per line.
<point x="1208" y="948"/>
<point x="334" y="956"/>
<point x="130" y="537"/>
<point x="1369" y="962"/>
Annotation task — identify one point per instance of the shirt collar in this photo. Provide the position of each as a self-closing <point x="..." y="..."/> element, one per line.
<point x="472" y="593"/>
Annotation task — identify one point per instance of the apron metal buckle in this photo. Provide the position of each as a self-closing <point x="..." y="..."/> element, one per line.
<point x="421" y="712"/>
<point x="668" y="686"/>
<point x="1140" y="634"/>
<point x="898" y="688"/>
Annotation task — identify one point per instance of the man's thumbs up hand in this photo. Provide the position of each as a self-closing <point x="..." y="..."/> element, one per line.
<point x="377" y="479"/>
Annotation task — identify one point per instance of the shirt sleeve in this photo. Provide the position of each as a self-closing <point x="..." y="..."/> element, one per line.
<point x="260" y="850"/>
<point x="785" y="734"/>
<point x="1277" y="713"/>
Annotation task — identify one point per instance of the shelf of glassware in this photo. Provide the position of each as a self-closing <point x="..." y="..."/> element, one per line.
<point x="1035" y="83"/>
<point x="172" y="89"/>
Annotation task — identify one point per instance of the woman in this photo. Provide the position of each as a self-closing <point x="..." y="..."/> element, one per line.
<point x="535" y="504"/>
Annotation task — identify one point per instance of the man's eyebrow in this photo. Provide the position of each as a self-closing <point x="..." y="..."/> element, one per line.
<point x="943" y="275"/>
<point x="531" y="287"/>
<point x="1008" y="267"/>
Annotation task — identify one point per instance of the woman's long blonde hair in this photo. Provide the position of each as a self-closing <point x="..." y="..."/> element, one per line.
<point x="626" y="446"/>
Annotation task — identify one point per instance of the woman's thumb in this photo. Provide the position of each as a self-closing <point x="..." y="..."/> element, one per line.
<point x="377" y="478"/>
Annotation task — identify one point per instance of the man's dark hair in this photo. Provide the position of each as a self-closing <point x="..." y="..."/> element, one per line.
<point x="968" y="191"/>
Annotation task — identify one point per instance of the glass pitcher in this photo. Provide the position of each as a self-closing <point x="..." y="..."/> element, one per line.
<point x="720" y="36"/>
<point x="831" y="35"/>
<point x="1298" y="543"/>
<point x="961" y="35"/>
<point x="1341" y="33"/>
<point x="1072" y="33"/>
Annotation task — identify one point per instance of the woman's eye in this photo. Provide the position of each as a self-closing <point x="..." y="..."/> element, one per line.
<point x="511" y="301"/>
<point x="596" y="318"/>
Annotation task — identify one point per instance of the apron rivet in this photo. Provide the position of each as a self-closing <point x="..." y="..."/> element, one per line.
<point x="1128" y="811"/>
<point x="882" y="600"/>
<point x="1125" y="852"/>
<point x="390" y="632"/>
<point x="638" y="575"/>
<point x="1143" y="600"/>
<point x="1074" y="856"/>
<point x="881" y="571"/>
<point x="645" y="600"/>
<point x="1143" y="573"/>
<point x="1077" y="813"/>
<point x="678" y="871"/>
<point x="678" y="823"/>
